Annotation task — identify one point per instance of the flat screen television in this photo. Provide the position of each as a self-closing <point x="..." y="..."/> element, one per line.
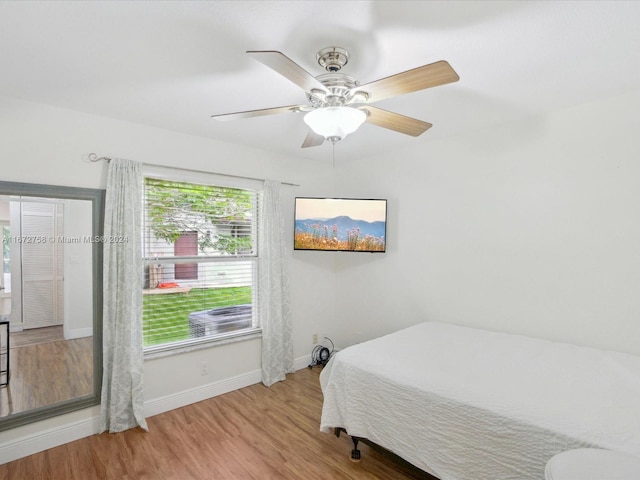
<point x="340" y="224"/>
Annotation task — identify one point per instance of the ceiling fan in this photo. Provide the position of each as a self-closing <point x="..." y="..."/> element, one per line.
<point x="338" y="104"/>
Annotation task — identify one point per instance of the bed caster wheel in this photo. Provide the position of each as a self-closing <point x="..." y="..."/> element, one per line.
<point x="355" y="455"/>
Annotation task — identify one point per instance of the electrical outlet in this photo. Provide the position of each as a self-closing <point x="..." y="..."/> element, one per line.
<point x="315" y="338"/>
<point x="204" y="368"/>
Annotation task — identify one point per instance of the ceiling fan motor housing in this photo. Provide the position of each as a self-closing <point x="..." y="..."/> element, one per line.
<point x="339" y="87"/>
<point x="332" y="59"/>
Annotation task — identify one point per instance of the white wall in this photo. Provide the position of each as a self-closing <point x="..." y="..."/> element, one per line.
<point x="47" y="145"/>
<point x="5" y="300"/>
<point x="530" y="228"/>
<point x="78" y="278"/>
<point x="4" y="210"/>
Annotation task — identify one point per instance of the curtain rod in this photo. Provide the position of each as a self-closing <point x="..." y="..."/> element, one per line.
<point x="94" y="158"/>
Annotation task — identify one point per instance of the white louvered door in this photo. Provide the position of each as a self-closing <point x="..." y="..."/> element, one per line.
<point x="42" y="265"/>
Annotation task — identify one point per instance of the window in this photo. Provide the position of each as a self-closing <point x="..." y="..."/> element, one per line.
<point x="200" y="262"/>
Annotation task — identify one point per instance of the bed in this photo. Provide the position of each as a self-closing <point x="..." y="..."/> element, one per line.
<point x="468" y="404"/>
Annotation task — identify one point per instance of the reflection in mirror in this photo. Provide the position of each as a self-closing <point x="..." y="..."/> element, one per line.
<point x="50" y="301"/>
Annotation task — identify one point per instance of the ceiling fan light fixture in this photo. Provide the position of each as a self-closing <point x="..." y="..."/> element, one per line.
<point x="335" y="122"/>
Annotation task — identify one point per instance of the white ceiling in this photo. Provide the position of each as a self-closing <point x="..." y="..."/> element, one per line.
<point x="171" y="64"/>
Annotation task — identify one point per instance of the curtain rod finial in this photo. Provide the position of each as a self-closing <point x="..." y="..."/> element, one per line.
<point x="94" y="158"/>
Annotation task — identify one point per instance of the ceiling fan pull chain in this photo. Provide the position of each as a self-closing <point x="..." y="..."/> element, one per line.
<point x="333" y="150"/>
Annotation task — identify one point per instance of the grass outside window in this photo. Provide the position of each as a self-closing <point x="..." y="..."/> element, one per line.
<point x="166" y="317"/>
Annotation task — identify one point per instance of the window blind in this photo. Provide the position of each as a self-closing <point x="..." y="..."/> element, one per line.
<point x="200" y="261"/>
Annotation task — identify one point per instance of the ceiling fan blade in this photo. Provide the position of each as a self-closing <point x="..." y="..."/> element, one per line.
<point x="312" y="139"/>
<point x="223" y="117"/>
<point x="432" y="75"/>
<point x="289" y="69"/>
<point x="395" y="121"/>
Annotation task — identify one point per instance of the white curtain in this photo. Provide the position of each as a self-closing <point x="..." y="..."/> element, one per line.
<point x="274" y="304"/>
<point x="122" y="382"/>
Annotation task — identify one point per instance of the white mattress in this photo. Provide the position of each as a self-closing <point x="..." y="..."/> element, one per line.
<point x="469" y="404"/>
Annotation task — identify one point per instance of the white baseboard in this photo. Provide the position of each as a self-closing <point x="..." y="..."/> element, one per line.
<point x="55" y="436"/>
<point x="187" y="397"/>
<point x="302" y="362"/>
<point x="78" y="333"/>
<point x="49" y="438"/>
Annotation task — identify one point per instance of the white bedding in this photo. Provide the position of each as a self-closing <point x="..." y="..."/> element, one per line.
<point x="469" y="404"/>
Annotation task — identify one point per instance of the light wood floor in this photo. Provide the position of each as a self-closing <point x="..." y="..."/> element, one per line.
<point x="47" y="373"/>
<point x="251" y="433"/>
<point x="36" y="335"/>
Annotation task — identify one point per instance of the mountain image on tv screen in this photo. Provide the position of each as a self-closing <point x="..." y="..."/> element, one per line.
<point x="340" y="224"/>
